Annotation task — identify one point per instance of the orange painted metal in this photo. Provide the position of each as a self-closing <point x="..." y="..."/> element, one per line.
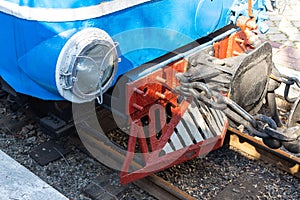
<point x="234" y="45"/>
<point x="239" y="42"/>
<point x="250" y="7"/>
<point x="148" y="98"/>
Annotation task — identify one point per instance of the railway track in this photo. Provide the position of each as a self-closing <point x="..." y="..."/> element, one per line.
<point x="242" y="143"/>
<point x="238" y="141"/>
<point x="153" y="184"/>
<point x="157" y="187"/>
<point x="254" y="148"/>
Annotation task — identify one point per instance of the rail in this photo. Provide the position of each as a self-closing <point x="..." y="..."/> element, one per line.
<point x="254" y="148"/>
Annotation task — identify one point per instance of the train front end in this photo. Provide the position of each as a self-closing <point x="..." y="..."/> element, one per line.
<point x="168" y="68"/>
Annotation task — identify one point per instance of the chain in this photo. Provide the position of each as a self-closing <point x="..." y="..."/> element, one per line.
<point x="288" y="81"/>
<point x="259" y="125"/>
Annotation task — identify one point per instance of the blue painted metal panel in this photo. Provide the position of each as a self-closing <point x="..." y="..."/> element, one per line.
<point x="31" y="47"/>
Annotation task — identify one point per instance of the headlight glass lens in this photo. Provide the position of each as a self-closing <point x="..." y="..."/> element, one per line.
<point x="86" y="66"/>
<point x="94" y="67"/>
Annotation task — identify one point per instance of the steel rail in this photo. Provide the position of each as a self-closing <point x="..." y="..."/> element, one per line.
<point x="251" y="147"/>
<point x="162" y="189"/>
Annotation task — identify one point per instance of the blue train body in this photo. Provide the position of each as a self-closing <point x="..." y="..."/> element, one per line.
<point x="47" y="45"/>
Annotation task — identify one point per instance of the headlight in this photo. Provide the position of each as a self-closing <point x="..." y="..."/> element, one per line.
<point x="86" y="66"/>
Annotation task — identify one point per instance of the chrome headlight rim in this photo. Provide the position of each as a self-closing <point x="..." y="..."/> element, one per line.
<point x="66" y="67"/>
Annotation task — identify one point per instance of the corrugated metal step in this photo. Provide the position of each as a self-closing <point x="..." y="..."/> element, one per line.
<point x="195" y="126"/>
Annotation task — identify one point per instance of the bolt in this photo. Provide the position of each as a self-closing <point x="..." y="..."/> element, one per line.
<point x="138" y="91"/>
<point x="239" y="40"/>
<point x="138" y="107"/>
<point x="236" y="53"/>
<point x="160" y="79"/>
<point x="160" y="95"/>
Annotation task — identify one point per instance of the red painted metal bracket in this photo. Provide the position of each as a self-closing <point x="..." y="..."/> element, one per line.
<point x="166" y="130"/>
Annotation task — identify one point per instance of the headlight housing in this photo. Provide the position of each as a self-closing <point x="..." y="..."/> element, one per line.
<point x="86" y="66"/>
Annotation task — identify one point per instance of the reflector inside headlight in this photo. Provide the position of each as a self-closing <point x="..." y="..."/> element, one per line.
<point x="86" y="65"/>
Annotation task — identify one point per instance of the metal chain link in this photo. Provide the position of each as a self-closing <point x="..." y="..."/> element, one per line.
<point x="288" y="81"/>
<point x="258" y="125"/>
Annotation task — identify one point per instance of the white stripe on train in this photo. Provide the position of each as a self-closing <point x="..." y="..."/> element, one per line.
<point x="66" y="14"/>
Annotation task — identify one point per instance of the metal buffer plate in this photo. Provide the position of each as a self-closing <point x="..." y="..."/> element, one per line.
<point x="165" y="129"/>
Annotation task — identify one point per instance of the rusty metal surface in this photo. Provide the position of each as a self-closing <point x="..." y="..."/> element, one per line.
<point x="249" y="83"/>
<point x="162" y="189"/>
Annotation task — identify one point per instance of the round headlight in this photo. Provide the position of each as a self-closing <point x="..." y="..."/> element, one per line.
<point x="86" y="66"/>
